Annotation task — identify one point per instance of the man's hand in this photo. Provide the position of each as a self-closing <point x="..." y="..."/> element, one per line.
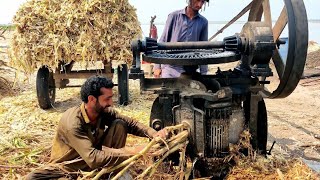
<point x="163" y="134"/>
<point x="157" y="73"/>
<point x="131" y="151"/>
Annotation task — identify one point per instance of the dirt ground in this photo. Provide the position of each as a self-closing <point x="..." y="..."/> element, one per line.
<point x="293" y="122"/>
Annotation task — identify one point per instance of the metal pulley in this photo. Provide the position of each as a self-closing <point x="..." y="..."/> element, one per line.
<point x="289" y="67"/>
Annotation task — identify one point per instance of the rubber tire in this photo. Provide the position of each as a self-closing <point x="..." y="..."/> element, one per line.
<point x="262" y="128"/>
<point x="46" y="91"/>
<point x="123" y="85"/>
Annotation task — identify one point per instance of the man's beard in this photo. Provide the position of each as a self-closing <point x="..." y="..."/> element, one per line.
<point x="194" y="9"/>
<point x="99" y="109"/>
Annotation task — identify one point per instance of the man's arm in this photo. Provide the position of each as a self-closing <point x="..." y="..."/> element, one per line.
<point x="166" y="37"/>
<point x="204" y="37"/>
<point x="167" y="31"/>
<point x="134" y="127"/>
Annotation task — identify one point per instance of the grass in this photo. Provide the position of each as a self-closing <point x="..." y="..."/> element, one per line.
<point x="10" y="27"/>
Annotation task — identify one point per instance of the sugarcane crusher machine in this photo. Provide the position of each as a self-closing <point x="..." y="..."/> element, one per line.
<point x="219" y="106"/>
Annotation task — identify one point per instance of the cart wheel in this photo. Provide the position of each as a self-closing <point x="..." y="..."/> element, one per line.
<point x="262" y="124"/>
<point x="123" y="85"/>
<point x="46" y="91"/>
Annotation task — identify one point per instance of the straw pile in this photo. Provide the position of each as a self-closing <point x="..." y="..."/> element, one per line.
<point x="254" y="166"/>
<point x="275" y="167"/>
<point x="26" y="133"/>
<point x="313" y="46"/>
<point x="49" y="31"/>
<point x="313" y="57"/>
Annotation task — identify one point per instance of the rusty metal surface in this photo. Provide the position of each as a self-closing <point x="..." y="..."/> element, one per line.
<point x="256" y="11"/>
<point x="186" y="112"/>
<point x="260" y="42"/>
<point x="267" y="12"/>
<point x="236" y="126"/>
<point x="280" y="24"/>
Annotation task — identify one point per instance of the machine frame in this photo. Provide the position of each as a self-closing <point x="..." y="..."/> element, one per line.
<point x="219" y="106"/>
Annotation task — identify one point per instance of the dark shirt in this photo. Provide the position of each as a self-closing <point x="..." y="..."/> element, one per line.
<point x="180" y="28"/>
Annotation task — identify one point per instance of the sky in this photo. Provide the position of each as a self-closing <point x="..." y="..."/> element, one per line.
<point x="218" y="10"/>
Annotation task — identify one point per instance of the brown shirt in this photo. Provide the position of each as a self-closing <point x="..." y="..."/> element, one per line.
<point x="76" y="139"/>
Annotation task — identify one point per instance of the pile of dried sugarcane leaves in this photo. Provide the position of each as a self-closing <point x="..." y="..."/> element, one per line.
<point x="50" y="32"/>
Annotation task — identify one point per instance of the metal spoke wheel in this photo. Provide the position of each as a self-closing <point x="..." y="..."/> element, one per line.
<point x="289" y="64"/>
<point x="45" y="85"/>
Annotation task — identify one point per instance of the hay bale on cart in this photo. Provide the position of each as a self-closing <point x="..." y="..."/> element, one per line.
<point x="51" y="36"/>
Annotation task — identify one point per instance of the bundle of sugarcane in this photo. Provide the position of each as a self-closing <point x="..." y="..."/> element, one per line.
<point x="52" y="31"/>
<point x="236" y="164"/>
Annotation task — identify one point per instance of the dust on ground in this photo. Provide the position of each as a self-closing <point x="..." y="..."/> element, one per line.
<point x="293" y="122"/>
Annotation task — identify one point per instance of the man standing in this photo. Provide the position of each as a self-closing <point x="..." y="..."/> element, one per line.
<point x="93" y="134"/>
<point x="182" y="26"/>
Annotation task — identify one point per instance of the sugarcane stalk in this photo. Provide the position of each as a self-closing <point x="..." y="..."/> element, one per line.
<point x="88" y="174"/>
<point x="181" y="138"/>
<point x="164" y="150"/>
<point x="173" y="149"/>
<point x="170" y="129"/>
<point x="128" y="161"/>
<point x="175" y="143"/>
<point x="123" y="171"/>
<point x="154" y="167"/>
<point x="182" y="161"/>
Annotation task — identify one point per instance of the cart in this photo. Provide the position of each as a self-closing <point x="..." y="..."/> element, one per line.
<point x="47" y="81"/>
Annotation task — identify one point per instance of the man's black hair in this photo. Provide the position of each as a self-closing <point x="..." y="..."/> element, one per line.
<point x="191" y="0"/>
<point x="93" y="85"/>
<point x="206" y="2"/>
